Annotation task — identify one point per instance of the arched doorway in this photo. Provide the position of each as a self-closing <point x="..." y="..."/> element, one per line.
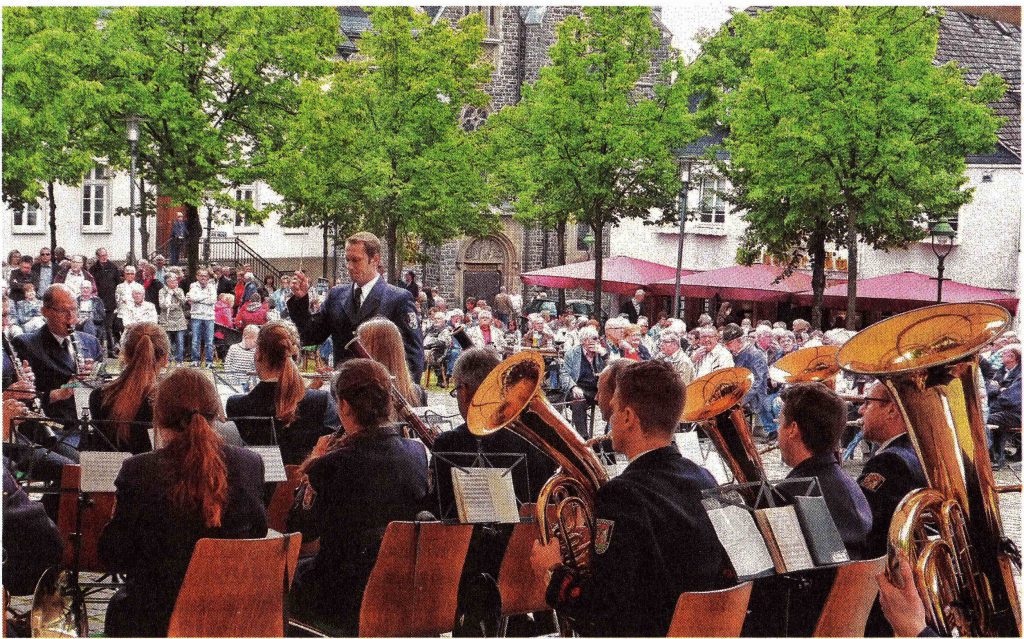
<point x="486" y="264"/>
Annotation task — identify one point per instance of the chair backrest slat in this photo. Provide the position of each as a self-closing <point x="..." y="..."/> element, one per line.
<point x="717" y="613"/>
<point x="846" y="610"/>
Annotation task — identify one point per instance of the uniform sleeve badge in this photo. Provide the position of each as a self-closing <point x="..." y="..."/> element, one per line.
<point x="413" y="320"/>
<point x="603" y="536"/>
<point x="872" y="481"/>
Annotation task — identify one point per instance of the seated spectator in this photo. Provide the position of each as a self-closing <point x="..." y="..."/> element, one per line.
<point x="19" y="277"/>
<point x="139" y="310"/>
<point x="240" y="363"/>
<point x="671" y="352"/>
<point x="710" y="355"/>
<point x="637" y="350"/>
<point x="1004" y="410"/>
<point x="222" y="312"/>
<point x="91" y="311"/>
<point x="254" y="312"/>
<point x="485" y="334"/>
<point x="28" y="313"/>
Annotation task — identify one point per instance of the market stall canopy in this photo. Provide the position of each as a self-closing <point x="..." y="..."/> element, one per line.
<point x="622" y="275"/>
<point x="756" y="283"/>
<point x="903" y="291"/>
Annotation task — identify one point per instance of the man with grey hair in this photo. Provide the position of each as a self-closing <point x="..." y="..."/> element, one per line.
<point x="578" y="378"/>
<point x="633" y="307"/>
<point x="75" y="275"/>
<point x="669" y="351"/>
<point x="710" y="356"/>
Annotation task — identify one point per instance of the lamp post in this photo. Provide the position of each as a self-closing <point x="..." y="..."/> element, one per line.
<point x="133" y="140"/>
<point x="688" y="164"/>
<point x="942" y="243"/>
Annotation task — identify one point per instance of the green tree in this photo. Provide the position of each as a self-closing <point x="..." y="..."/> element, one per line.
<point x="215" y="87"/>
<point x="51" y="102"/>
<point x="842" y="128"/>
<point x="379" y="145"/>
<point x="586" y="144"/>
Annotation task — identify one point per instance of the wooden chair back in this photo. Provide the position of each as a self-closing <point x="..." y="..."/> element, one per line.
<point x="95" y="515"/>
<point x="522" y="590"/>
<point x="281" y="501"/>
<point x="413" y="588"/>
<point x="717" y="613"/>
<point x="853" y="593"/>
<point x="246" y="600"/>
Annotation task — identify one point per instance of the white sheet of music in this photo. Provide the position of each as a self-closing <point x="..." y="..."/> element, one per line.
<point x="741" y="539"/>
<point x="100" y="469"/>
<point x="614" y="470"/>
<point x="689" y="446"/>
<point x="485" y="495"/>
<point x="273" y="464"/>
<point x="790" y="537"/>
<point x="716" y="466"/>
<point x="82" y="393"/>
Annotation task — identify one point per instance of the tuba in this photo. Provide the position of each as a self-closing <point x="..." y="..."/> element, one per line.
<point x="815" y="364"/>
<point x="58" y="609"/>
<point x="713" y="401"/>
<point x="951" y="532"/>
<point x="511" y="397"/>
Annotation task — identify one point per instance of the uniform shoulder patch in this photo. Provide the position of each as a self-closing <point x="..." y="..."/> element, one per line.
<point x="413" y="320"/>
<point x="872" y="481"/>
<point x="603" y="535"/>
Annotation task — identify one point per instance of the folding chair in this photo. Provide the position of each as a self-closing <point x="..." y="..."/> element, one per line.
<point x="522" y="590"/>
<point x="853" y="593"/>
<point x="716" y="613"/>
<point x="236" y="588"/>
<point x="96" y="512"/>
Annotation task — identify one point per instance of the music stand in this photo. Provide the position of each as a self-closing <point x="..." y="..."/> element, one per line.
<point x="445" y="463"/>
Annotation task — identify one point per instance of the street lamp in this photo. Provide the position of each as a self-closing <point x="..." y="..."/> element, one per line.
<point x="687" y="171"/>
<point x="133" y="140"/>
<point x="942" y="243"/>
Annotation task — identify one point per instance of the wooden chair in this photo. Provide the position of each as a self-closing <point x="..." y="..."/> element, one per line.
<point x="414" y="586"/>
<point x="281" y="501"/>
<point x="235" y="588"/>
<point x="95" y="515"/>
<point x="717" y="613"/>
<point x="522" y="590"/>
<point x="853" y="592"/>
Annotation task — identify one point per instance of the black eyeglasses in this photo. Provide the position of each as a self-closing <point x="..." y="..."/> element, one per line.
<point x="454" y="392"/>
<point x="880" y="400"/>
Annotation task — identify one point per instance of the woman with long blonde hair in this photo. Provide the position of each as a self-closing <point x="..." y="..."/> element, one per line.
<point x="123" y="409"/>
<point x="297" y="414"/>
<point x="192" y="486"/>
<point x="383" y="341"/>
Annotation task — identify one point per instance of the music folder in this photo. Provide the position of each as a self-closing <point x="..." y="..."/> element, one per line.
<point x="735" y="527"/>
<point x="273" y="463"/>
<point x="483" y="488"/>
<point x="100" y="469"/>
<point x="823" y="537"/>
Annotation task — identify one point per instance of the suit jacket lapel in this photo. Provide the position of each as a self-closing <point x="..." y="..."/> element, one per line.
<point x="61" y="357"/>
<point x="371" y="301"/>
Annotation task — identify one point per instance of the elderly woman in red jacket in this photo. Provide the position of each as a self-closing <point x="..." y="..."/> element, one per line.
<point x="252" y="312"/>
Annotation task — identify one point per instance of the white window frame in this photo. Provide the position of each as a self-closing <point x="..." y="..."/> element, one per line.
<point x="21" y="227"/>
<point x="241" y="224"/>
<point x="97" y="177"/>
<point x="701" y="219"/>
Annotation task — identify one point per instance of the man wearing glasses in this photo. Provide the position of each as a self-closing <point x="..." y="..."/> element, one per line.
<point x="43" y="270"/>
<point x="893" y="471"/>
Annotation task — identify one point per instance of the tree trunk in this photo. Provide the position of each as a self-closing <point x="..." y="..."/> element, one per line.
<point x="327" y="226"/>
<point x="817" y="249"/>
<point x="195" y="233"/>
<point x="143" y="221"/>
<point x="598" y="270"/>
<point x="560" y="239"/>
<point x="393" y="262"/>
<point x="53" y="220"/>
<point x="851" y="274"/>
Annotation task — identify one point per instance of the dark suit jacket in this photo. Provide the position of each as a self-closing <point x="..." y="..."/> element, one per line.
<point x="31" y="540"/>
<point x="152" y="543"/>
<point x="138" y="432"/>
<point x="107" y="277"/>
<point x="630" y="311"/>
<point x="298" y="438"/>
<point x="338" y="319"/>
<point x="53" y="366"/>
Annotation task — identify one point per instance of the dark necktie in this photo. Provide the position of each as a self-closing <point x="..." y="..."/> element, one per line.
<point x="357" y="295"/>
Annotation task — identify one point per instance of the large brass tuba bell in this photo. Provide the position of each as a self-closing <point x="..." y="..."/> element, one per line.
<point x="713" y="402"/>
<point x="813" y="364"/>
<point x="511" y="397"/>
<point x="951" y="532"/>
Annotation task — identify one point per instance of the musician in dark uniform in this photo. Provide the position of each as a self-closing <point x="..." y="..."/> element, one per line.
<point x="372" y="477"/>
<point x="346" y="307"/>
<point x="653" y="538"/>
<point x="167" y="500"/>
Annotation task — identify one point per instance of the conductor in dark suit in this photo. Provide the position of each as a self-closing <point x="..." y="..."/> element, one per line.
<point x="50" y="353"/>
<point x="348" y="306"/>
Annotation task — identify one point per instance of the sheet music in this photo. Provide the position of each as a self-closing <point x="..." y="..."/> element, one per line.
<point x="614" y="470"/>
<point x="273" y="464"/>
<point x="789" y="537"/>
<point x="485" y="495"/>
<point x="82" y="393"/>
<point x="716" y="466"/>
<point x="100" y="469"/>
<point x="741" y="539"/>
<point x="689" y="446"/>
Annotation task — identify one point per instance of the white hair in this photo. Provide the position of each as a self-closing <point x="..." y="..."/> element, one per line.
<point x="588" y="332"/>
<point x="251" y="329"/>
<point x="137" y="288"/>
<point x="616" y="322"/>
<point x="707" y="331"/>
<point x="762" y="329"/>
<point x="484" y="313"/>
<point x="669" y="336"/>
<point x="677" y="325"/>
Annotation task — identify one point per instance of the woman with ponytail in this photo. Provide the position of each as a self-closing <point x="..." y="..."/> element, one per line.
<point x="123" y="409"/>
<point x="383" y="341"/>
<point x="297" y="414"/>
<point x="192" y="486"/>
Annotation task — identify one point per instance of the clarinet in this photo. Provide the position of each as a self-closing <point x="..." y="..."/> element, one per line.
<point x="36" y="410"/>
<point x="76" y="348"/>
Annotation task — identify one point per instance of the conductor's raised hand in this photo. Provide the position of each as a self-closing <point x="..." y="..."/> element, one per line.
<point x="300" y="284"/>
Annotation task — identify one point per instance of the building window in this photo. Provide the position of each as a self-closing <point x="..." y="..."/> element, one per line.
<point x="95" y="199"/>
<point x="473" y="118"/>
<point x="711" y="201"/>
<point x="27" y="219"/>
<point x="245" y="194"/>
<point x="492" y="18"/>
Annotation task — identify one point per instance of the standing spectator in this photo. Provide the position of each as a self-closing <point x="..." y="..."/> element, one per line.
<point x="106" y="275"/>
<point x="240" y="362"/>
<point x="160" y="268"/>
<point x="748" y="356"/>
<point x="12" y="264"/>
<point x="172" y="315"/>
<point x="140" y="270"/>
<point x="268" y="288"/>
<point x="91" y="311"/>
<point x="252" y="312"/>
<point x="280" y="297"/>
<point x="725" y="315"/>
<point x="43" y="269"/>
<point x="75" y="275"/>
<point x="578" y="379"/>
<point x="242" y="285"/>
<point x="222" y="317"/>
<point x="151" y="285"/>
<point x="123" y="298"/>
<point x="29" y="311"/>
<point x="710" y="355"/>
<point x="140" y="310"/>
<point x="633" y="307"/>
<point x="411" y="285"/>
<point x="503" y="306"/>
<point x="202" y="297"/>
<point x="179" y="237"/>
<point x="671" y="352"/>
<point x="20" y="277"/>
<point x="226" y="282"/>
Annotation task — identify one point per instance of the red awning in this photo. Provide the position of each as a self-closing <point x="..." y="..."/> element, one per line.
<point x="903" y="291"/>
<point x="748" y="283"/>
<point x="621" y="275"/>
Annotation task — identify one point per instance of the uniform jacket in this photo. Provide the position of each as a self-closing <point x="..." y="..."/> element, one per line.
<point x="152" y="544"/>
<point x="846" y="502"/>
<point x="887" y="477"/>
<point x="653" y="542"/>
<point x="298" y="438"/>
<point x="31" y="540"/>
<point x="53" y="366"/>
<point x="571" y="365"/>
<point x="339" y="320"/>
